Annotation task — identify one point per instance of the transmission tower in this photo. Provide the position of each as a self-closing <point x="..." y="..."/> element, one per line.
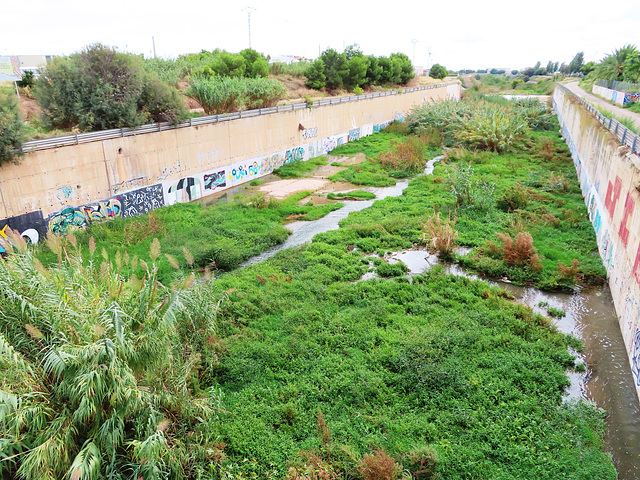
<point x="249" y="9"/>
<point x="414" y="41"/>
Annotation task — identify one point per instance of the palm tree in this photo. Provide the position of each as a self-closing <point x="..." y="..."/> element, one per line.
<point x="95" y="368"/>
<point x="612" y="67"/>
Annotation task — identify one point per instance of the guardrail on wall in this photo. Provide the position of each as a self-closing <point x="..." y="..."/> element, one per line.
<point x="158" y="127"/>
<point x="625" y="136"/>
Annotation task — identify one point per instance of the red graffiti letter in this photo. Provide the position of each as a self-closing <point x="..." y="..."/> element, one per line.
<point x="636" y="265"/>
<point x="628" y="210"/>
<point x="611" y="200"/>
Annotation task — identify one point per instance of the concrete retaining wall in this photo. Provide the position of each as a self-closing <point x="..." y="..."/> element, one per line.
<point x="62" y="188"/>
<point x="610" y="178"/>
<point x="620" y="98"/>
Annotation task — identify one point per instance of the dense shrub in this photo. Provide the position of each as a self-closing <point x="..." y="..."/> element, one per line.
<point x="100" y="88"/>
<point x="438" y="71"/>
<point x="11" y="130"/>
<point x="229" y="94"/>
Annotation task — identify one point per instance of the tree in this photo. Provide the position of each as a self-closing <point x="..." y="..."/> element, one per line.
<point x="374" y="71"/>
<point x="631" y="68"/>
<point x="357" y="76"/>
<point x="335" y="68"/>
<point x="255" y="63"/>
<point x="577" y="63"/>
<point x="438" y="71"/>
<point x="11" y="128"/>
<point x="316" y="78"/>
<point x="99" y="89"/>
<point x="588" y="68"/>
<point x="352" y="51"/>
<point x="406" y="68"/>
<point x="612" y="66"/>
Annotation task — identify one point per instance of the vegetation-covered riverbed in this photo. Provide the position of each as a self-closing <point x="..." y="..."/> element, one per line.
<point x="294" y="368"/>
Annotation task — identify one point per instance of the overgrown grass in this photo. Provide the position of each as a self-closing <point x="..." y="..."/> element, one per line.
<point x="217" y="237"/>
<point x="297" y="169"/>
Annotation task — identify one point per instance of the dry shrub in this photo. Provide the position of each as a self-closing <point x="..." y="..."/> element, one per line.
<point x="551" y="219"/>
<point x="313" y="468"/>
<point x="379" y="467"/>
<point x="546" y="149"/>
<point x="422" y="462"/>
<point x="407" y="156"/>
<point x="572" y="272"/>
<point x="558" y="181"/>
<point x="441" y="234"/>
<point x="140" y="229"/>
<point x="324" y="434"/>
<point x="521" y="252"/>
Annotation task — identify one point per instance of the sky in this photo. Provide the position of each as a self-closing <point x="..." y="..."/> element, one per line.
<point x="467" y="34"/>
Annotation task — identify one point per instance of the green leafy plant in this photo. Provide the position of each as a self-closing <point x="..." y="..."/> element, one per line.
<point x="11" y="129"/>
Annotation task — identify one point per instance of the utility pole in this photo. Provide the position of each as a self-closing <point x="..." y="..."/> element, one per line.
<point x="153" y="40"/>
<point x="249" y="9"/>
<point x="414" y="41"/>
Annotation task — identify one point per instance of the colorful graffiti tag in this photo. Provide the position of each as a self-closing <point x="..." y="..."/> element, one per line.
<point x="66" y="220"/>
<point x="635" y="358"/>
<point x="631" y="98"/>
<point x="97" y="212"/>
<point x="189" y="186"/>
<point x="241" y="172"/>
<point x="215" y="180"/>
<point x="354" y="134"/>
<point x="294" y="155"/>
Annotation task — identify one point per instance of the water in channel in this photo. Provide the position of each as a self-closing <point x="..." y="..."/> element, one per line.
<point x="590" y="316"/>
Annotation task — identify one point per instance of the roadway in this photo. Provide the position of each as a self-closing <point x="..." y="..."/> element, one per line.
<point x="603" y="105"/>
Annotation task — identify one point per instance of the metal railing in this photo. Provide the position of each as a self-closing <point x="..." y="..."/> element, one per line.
<point x="625" y="136"/>
<point x="80" y="138"/>
<point x="626" y="87"/>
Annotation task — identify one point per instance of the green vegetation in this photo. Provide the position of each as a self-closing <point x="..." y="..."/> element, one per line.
<point x="216" y="237"/>
<point x="230" y="94"/>
<point x="295" y="368"/>
<point x="220" y="63"/>
<point x="96" y="380"/>
<point x="297" y="169"/>
<point x="353" y="195"/>
<point x="354" y="70"/>
<point x="438" y="71"/>
<point x="11" y="129"/>
<point x="99" y="89"/>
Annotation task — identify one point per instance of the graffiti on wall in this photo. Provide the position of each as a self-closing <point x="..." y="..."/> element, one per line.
<point x="293" y="155"/>
<point x="623" y="232"/>
<point x="270" y="163"/>
<point x="635" y="358"/>
<point x="354" y="134"/>
<point x="366" y="130"/>
<point x="128" y="184"/>
<point x="97" y="212"/>
<point x="329" y="144"/>
<point x="186" y="189"/>
<point x="309" y="133"/>
<point x="613" y="194"/>
<point x="631" y="98"/>
<point x="66" y="220"/>
<point x="66" y="192"/>
<point x="142" y="200"/>
<point x="240" y="173"/>
<point x="31" y="226"/>
<point x="215" y="180"/>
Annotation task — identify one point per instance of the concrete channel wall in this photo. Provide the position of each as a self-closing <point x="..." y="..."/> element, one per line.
<point x="610" y="180"/>
<point x="56" y="189"/>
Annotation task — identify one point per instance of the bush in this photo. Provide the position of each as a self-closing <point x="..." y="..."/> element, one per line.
<point x="229" y="94"/>
<point x="492" y="127"/>
<point x="438" y="71"/>
<point x="100" y="89"/>
<point x="440" y="234"/>
<point x="11" y="129"/>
